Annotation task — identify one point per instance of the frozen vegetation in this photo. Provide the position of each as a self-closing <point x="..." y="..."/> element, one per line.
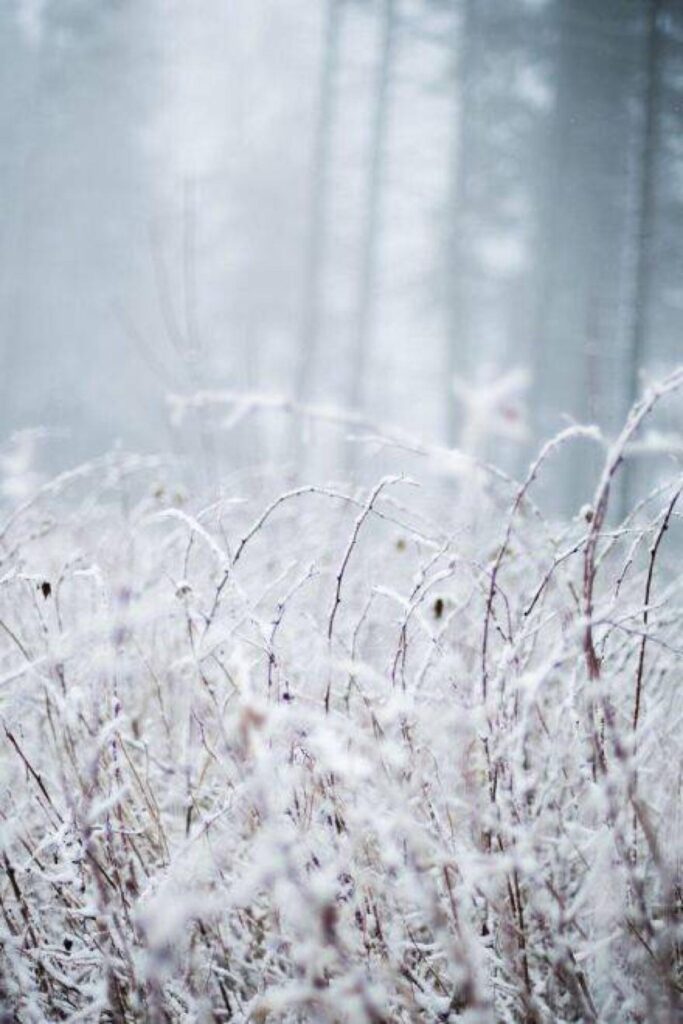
<point x="403" y="753"/>
<point x="304" y="717"/>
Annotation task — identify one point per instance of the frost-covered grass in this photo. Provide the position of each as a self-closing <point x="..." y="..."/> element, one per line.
<point x="402" y="753"/>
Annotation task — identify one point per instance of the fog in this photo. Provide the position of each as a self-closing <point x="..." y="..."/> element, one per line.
<point x="341" y="511"/>
<point x="396" y="208"/>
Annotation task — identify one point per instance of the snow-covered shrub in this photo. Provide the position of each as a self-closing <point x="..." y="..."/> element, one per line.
<point x="410" y="753"/>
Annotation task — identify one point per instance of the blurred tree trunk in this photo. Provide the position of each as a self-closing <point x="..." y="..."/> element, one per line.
<point x="362" y="335"/>
<point x="462" y="146"/>
<point x="580" y="370"/>
<point x="78" y="94"/>
<point x="503" y="100"/>
<point x="318" y="228"/>
<point x="643" y="228"/>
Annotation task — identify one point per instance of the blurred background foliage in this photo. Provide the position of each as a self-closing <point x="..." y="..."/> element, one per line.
<point x="354" y="202"/>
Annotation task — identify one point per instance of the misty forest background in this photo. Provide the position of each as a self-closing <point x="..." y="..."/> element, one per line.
<point x="345" y="202"/>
